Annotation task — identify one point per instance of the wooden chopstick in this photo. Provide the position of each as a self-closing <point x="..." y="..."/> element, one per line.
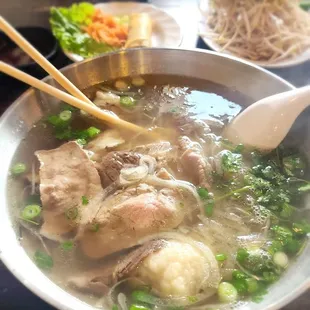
<point x="76" y="102"/>
<point x="41" y="60"/>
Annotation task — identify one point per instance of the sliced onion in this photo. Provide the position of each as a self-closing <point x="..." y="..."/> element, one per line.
<point x="133" y="174"/>
<point x="122" y="301"/>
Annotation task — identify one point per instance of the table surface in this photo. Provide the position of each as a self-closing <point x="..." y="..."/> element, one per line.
<point x="13" y="295"/>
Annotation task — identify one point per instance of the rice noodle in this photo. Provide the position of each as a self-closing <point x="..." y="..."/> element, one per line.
<point x="176" y="184"/>
<point x="33" y="179"/>
<point x="122" y="301"/>
<point x="258" y="30"/>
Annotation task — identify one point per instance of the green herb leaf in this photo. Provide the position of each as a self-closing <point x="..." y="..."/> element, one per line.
<point x="203" y="193"/>
<point x="85" y="200"/>
<point x="242" y="255"/>
<point x="192" y="299"/>
<point x="94" y="227"/>
<point x="304" y="188"/>
<point x="18" y="168"/>
<point x="67" y="245"/>
<point x="43" y="260"/>
<point x="231" y="162"/>
<point x="209" y="208"/>
<point x="221" y="257"/>
<point x="93" y="132"/>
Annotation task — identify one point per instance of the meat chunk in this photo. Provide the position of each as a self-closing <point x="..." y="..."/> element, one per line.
<point x="133" y="259"/>
<point x="194" y="162"/>
<point x="97" y="281"/>
<point x="110" y="166"/>
<point x="128" y="216"/>
<point x="66" y="174"/>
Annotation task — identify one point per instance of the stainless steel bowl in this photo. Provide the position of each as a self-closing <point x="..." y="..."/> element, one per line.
<point x="248" y="79"/>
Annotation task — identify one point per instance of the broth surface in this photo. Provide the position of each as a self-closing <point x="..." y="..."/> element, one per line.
<point x="230" y="220"/>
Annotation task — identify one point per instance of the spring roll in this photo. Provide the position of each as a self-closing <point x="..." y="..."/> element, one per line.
<point x="140" y="31"/>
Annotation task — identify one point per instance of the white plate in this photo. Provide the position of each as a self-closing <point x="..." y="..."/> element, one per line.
<point x="166" y="31"/>
<point x="204" y="28"/>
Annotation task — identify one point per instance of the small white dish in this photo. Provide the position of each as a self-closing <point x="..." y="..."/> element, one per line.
<point x="166" y="31"/>
<point x="204" y="28"/>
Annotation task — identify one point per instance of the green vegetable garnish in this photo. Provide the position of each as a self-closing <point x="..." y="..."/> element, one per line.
<point x="67" y="245"/>
<point x="227" y="293"/>
<point x="65" y="115"/>
<point x="67" y="23"/>
<point x="305" y="5"/>
<point x="209" y="208"/>
<point x="81" y="141"/>
<point x="252" y="285"/>
<point x="242" y="255"/>
<point x="94" y="227"/>
<point x="192" y="299"/>
<point x="220" y="257"/>
<point x="203" y="193"/>
<point x="30" y="212"/>
<point x="72" y="213"/>
<point x="138" y="307"/>
<point x="304" y="188"/>
<point x="143" y="296"/>
<point x="18" y="169"/>
<point x="231" y="162"/>
<point x="85" y="200"/>
<point x="127" y="102"/>
<point x="43" y="260"/>
<point x="92" y="132"/>
<point x="114" y="307"/>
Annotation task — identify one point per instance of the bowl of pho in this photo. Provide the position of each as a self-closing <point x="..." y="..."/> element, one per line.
<point x="93" y="217"/>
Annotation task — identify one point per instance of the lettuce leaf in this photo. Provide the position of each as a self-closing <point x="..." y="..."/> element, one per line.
<point x="66" y="26"/>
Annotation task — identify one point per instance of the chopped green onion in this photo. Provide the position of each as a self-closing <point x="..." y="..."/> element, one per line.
<point x="127" y="102"/>
<point x="18" y="168"/>
<point x="43" y="260"/>
<point x="227" y="293"/>
<point x="209" y="207"/>
<point x="72" y="213"/>
<point x="67" y="245"/>
<point x="142" y="296"/>
<point x="30" y="212"/>
<point x="220" y="257"/>
<point x="239" y="148"/>
<point x="252" y="285"/>
<point x="237" y="274"/>
<point x="240" y="285"/>
<point x="203" y="193"/>
<point x="81" y="141"/>
<point x="65" y="115"/>
<point x="280" y="259"/>
<point x="138" y="307"/>
<point x="92" y="132"/>
<point x="29" y="221"/>
<point x="94" y="227"/>
<point x="192" y="299"/>
<point x="242" y="255"/>
<point x="85" y="200"/>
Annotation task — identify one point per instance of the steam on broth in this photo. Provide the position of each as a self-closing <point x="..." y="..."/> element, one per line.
<point x="129" y="221"/>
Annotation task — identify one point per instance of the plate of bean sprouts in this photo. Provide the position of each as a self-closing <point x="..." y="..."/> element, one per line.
<point x="269" y="33"/>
